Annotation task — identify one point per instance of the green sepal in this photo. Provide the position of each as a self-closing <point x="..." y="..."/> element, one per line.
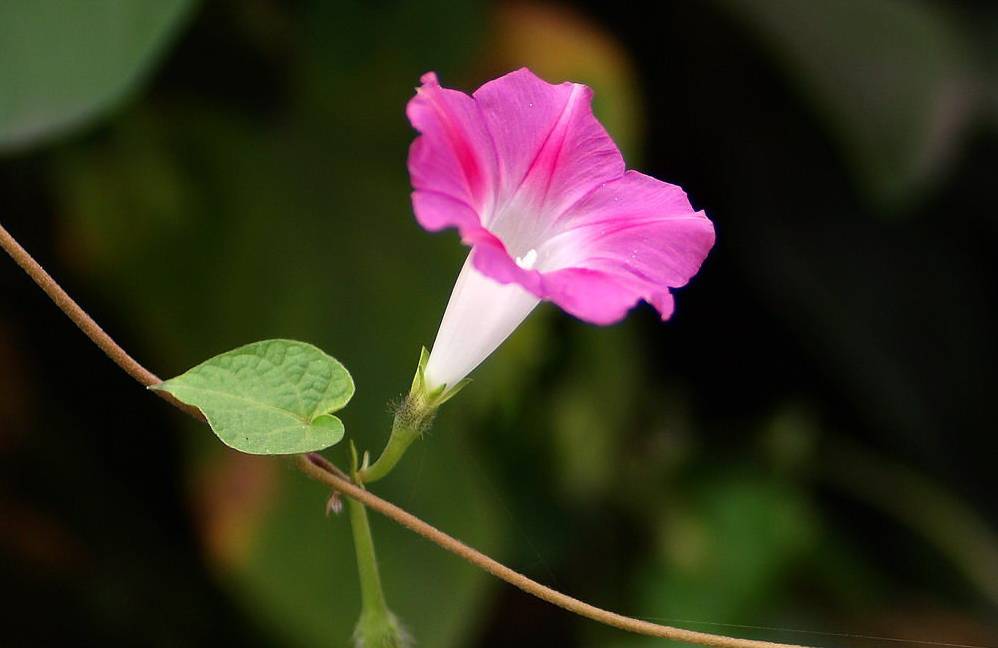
<point x="419" y="380"/>
<point x="431" y="400"/>
<point x="450" y="393"/>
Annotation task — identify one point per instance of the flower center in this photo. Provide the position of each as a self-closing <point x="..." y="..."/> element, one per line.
<point x="528" y="260"/>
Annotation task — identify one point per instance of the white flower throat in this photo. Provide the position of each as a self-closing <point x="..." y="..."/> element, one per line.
<point x="481" y="314"/>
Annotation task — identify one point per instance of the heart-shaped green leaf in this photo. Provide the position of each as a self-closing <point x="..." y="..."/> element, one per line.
<point x="269" y="397"/>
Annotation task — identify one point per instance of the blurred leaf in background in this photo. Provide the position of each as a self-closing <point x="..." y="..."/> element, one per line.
<point x="895" y="80"/>
<point x="64" y="63"/>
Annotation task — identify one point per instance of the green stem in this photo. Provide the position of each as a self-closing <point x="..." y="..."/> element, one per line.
<point x="377" y="626"/>
<point x="372" y="595"/>
<point x="412" y="419"/>
<point x="406" y="428"/>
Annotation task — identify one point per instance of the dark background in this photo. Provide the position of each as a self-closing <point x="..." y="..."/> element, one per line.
<point x="809" y="444"/>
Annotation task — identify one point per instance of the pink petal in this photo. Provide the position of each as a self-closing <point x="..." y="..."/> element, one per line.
<point x="662" y="252"/>
<point x="637" y="233"/>
<point x="631" y="195"/>
<point x="452" y="164"/>
<point x="551" y="150"/>
<point x="663" y="303"/>
<point x="636" y="226"/>
<point x="437" y="211"/>
<point x="591" y="295"/>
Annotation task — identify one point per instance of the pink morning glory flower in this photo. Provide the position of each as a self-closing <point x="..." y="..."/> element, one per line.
<point x="539" y="191"/>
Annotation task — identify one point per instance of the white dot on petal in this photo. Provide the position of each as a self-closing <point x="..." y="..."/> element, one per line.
<point x="528" y="260"/>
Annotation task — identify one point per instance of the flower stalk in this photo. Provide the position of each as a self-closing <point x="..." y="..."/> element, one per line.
<point x="413" y="418"/>
<point x="377" y="627"/>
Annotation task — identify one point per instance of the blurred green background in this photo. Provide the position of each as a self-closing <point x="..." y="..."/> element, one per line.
<point x="808" y="444"/>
